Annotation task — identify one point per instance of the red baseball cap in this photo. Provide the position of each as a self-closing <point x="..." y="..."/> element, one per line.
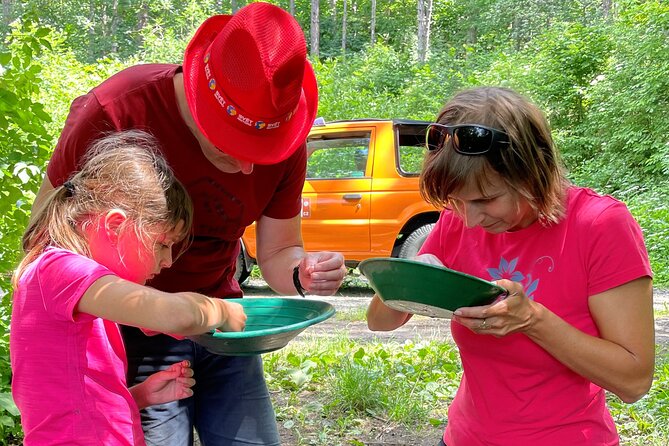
<point x="249" y="85"/>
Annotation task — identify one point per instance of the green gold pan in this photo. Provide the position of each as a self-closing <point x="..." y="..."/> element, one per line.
<point x="271" y="324"/>
<point x="425" y="289"/>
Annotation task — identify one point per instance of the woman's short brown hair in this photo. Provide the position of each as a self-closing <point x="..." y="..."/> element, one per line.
<point x="530" y="164"/>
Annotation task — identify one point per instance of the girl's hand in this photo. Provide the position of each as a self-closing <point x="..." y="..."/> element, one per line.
<point x="513" y="313"/>
<point x="171" y="384"/>
<point x="236" y="320"/>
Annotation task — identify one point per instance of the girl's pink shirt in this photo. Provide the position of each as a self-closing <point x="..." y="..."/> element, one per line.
<point x="68" y="367"/>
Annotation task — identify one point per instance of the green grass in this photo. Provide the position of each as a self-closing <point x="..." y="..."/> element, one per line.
<point x="344" y="382"/>
<point x="327" y="390"/>
<point x="358" y="314"/>
<point x="662" y="312"/>
<point x="646" y="422"/>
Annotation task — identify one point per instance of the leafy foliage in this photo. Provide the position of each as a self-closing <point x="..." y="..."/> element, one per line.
<point x="24" y="140"/>
<point x="652" y="212"/>
<point x="24" y="145"/>
<point x="627" y="125"/>
<point x="97" y="29"/>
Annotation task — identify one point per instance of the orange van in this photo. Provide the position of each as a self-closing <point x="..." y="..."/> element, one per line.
<point x="361" y="194"/>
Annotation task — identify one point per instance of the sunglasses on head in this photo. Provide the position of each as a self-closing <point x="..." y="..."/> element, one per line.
<point x="468" y="139"/>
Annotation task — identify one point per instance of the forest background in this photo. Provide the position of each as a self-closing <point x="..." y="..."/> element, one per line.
<point x="599" y="69"/>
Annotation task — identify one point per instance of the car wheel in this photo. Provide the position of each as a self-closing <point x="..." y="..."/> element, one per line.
<point x="242" y="269"/>
<point x="414" y="241"/>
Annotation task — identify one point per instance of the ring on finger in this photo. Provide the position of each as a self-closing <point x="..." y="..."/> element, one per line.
<point x="484" y="324"/>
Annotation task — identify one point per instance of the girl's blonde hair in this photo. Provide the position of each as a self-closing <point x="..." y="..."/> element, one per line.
<point x="530" y="164"/>
<point x="122" y="170"/>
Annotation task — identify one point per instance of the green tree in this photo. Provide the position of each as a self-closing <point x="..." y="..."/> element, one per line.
<point x="25" y="143"/>
<point x="627" y="123"/>
<point x="24" y="146"/>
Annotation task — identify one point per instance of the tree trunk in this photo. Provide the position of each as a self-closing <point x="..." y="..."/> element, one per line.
<point x="472" y="35"/>
<point x="91" y="30"/>
<point x="233" y="6"/>
<point x="6" y="11"/>
<point x="142" y="20"/>
<point x="424" y="19"/>
<point x="315" y="29"/>
<point x="606" y="8"/>
<point x="142" y="15"/>
<point x="343" y="26"/>
<point x="420" y="31"/>
<point x="291" y="8"/>
<point x="516" y="34"/>
<point x="113" y="27"/>
<point x="372" y="25"/>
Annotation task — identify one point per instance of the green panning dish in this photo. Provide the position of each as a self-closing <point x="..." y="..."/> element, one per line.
<point x="421" y="288"/>
<point x="272" y="323"/>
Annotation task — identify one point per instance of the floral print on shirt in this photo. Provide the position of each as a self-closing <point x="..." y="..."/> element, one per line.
<point x="507" y="270"/>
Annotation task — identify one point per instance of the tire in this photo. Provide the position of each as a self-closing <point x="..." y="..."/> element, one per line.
<point x="242" y="267"/>
<point x="414" y="241"/>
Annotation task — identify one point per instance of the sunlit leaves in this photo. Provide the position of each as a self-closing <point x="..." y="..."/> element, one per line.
<point x="24" y="147"/>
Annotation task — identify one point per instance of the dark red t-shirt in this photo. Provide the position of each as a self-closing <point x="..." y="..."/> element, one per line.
<point x="142" y="97"/>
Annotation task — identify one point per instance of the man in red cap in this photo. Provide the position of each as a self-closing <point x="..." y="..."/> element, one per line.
<point x="232" y="122"/>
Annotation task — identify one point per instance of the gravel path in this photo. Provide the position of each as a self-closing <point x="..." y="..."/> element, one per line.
<point x="351" y="302"/>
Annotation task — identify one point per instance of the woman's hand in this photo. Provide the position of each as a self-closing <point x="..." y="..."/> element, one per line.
<point x="511" y="313"/>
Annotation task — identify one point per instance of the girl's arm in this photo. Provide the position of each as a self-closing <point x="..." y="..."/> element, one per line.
<point x="186" y="313"/>
<point x="621" y="360"/>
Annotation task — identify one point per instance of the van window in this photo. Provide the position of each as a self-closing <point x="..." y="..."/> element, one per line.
<point x="333" y="156"/>
<point x="411" y="146"/>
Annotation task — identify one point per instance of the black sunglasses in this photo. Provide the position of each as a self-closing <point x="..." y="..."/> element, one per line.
<point x="468" y="139"/>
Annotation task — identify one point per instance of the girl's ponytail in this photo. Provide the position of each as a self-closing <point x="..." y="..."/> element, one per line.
<point x="52" y="219"/>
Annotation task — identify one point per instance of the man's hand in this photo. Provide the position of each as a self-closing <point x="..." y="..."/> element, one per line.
<point x="322" y="273"/>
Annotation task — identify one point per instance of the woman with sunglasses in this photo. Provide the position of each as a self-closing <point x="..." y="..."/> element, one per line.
<point x="578" y="317"/>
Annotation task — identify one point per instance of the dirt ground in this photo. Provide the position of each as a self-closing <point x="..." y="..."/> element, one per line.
<point x="375" y="432"/>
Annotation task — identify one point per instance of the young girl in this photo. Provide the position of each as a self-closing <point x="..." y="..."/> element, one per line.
<point x="89" y="250"/>
<point x="578" y="319"/>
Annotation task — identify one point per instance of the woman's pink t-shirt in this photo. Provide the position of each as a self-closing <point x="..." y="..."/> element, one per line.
<point x="514" y="393"/>
<point x="68" y="367"/>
